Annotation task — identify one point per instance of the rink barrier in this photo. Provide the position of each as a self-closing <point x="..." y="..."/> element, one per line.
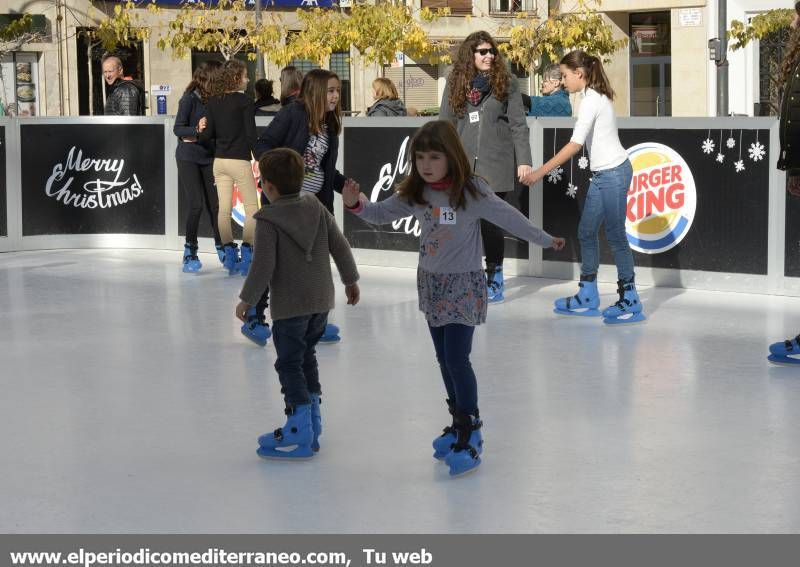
<point x="111" y="182"/>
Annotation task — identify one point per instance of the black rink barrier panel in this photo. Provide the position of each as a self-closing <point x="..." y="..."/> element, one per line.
<point x="698" y="200"/>
<point x="706" y="209"/>
<point x="92" y="179"/>
<point x="378" y="159"/>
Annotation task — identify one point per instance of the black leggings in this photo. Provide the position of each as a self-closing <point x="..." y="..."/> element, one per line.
<point x="197" y="183"/>
<point x="494" y="245"/>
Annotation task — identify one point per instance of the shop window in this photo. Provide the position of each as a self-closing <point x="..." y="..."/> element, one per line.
<point x="457" y="7"/>
<point x="510" y="6"/>
<point x="340" y="64"/>
<point x="650" y="34"/>
<point x="416" y="85"/>
<point x="19" y="84"/>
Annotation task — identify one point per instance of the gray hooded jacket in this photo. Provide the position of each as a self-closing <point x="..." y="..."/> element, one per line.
<point x="387" y="107"/>
<point x="294" y="237"/>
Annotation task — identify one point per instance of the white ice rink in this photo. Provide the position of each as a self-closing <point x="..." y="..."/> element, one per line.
<point x="130" y="403"/>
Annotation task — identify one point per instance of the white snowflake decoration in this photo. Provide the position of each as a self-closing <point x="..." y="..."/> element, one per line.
<point x="572" y="189"/>
<point x="583" y="163"/>
<point x="720" y="158"/>
<point x="739" y="166"/>
<point x="731" y="143"/>
<point x="554" y="176"/>
<point x="708" y="146"/>
<point x="757" y="151"/>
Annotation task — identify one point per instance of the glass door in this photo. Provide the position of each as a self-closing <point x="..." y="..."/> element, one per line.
<point x="651" y="86"/>
<point x="651" y="64"/>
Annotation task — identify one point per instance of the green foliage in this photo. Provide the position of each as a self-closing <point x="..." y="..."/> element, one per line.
<point x="123" y="28"/>
<point x="532" y="39"/>
<point x="377" y="31"/>
<point x="760" y="26"/>
<point x="17" y="28"/>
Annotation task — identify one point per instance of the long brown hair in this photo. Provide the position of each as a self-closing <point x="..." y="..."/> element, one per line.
<point x="460" y="79"/>
<point x="439" y="136"/>
<point x="229" y="78"/>
<point x="202" y="77"/>
<point x="314" y="96"/>
<point x="592" y="68"/>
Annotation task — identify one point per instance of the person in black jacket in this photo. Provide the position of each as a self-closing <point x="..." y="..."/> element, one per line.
<point x="789" y="159"/>
<point x="266" y="104"/>
<point x="311" y="126"/>
<point x="232" y="127"/>
<point x="194" y="160"/>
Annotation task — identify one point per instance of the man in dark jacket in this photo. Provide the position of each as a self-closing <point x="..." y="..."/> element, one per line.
<point x="124" y="97"/>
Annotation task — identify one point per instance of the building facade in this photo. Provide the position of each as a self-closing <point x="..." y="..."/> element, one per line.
<point x="665" y="70"/>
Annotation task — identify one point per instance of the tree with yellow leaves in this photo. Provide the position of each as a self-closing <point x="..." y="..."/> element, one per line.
<point x="227" y="26"/>
<point x="759" y="27"/>
<point x="532" y="39"/>
<point x="377" y="31"/>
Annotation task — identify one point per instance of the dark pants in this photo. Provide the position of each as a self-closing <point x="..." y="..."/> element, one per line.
<point x="197" y="183"/>
<point x="453" y="344"/>
<point x="494" y="245"/>
<point x="295" y="342"/>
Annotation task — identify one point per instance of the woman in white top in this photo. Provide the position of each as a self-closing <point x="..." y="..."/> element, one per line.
<point x="606" y="200"/>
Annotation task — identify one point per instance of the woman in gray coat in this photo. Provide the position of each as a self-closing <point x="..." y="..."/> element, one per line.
<point x="481" y="99"/>
<point x="387" y="101"/>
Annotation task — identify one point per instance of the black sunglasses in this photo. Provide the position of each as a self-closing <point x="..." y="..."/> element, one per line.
<point x="484" y="51"/>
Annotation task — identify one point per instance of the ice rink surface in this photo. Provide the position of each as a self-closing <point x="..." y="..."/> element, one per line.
<point x="131" y="403"/>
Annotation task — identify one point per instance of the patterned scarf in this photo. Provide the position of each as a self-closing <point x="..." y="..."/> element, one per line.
<point x="481" y="86"/>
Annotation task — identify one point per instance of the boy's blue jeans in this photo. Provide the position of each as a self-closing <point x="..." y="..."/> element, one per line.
<point x="295" y="342"/>
<point x="453" y="344"/>
<point x="607" y="203"/>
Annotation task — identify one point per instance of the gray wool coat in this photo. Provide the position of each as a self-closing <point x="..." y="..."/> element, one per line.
<point x="498" y="141"/>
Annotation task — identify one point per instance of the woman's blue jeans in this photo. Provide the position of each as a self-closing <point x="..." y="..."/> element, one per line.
<point x="606" y="204"/>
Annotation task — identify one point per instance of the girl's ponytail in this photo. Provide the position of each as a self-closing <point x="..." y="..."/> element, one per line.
<point x="592" y="67"/>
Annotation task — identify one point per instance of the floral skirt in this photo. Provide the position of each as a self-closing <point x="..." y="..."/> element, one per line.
<point x="452" y="298"/>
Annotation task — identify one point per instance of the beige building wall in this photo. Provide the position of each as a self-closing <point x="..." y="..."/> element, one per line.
<point x="689" y="68"/>
<point x="59" y="75"/>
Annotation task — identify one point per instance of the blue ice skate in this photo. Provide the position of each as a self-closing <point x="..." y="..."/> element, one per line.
<point x="495" y="284"/>
<point x="627" y="309"/>
<point x="220" y="253"/>
<point x="582" y="304"/>
<point x="443" y="444"/>
<point x="293" y="440"/>
<point x="246" y="258"/>
<point x="465" y="456"/>
<point x="331" y="335"/>
<point x="256" y="328"/>
<point x="191" y="263"/>
<point x="231" y="262"/>
<point x="785" y="351"/>
<point x="316" y="420"/>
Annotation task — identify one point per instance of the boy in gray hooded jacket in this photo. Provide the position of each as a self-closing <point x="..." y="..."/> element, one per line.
<point x="294" y="237"/>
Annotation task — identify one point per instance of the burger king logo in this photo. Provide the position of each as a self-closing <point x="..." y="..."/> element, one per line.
<point x="661" y="200"/>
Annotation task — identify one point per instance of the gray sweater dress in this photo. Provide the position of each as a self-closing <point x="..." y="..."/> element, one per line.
<point x="450" y="279"/>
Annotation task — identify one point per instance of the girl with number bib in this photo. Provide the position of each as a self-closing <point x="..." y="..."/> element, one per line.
<point x="449" y="202"/>
<point x="606" y="201"/>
